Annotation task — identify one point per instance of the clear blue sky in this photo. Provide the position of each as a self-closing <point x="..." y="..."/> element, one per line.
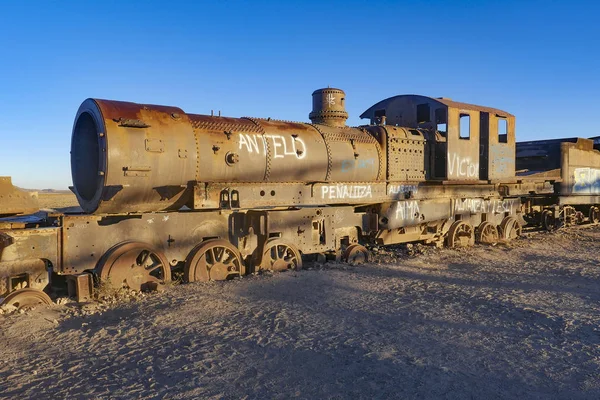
<point x="536" y="59"/>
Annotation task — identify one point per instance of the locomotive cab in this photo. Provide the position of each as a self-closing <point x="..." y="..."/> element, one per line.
<point x="465" y="142"/>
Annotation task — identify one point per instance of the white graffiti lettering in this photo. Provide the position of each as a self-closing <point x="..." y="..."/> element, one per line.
<point x="346" y="191"/>
<point x="330" y="99"/>
<point x="462" y="167"/>
<point x="281" y="146"/>
<point x="587" y="180"/>
<point x="407" y="210"/>
<point x="396" y="189"/>
<point x="481" y="206"/>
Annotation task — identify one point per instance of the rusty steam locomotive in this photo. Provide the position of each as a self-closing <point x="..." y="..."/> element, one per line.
<point x="219" y="197"/>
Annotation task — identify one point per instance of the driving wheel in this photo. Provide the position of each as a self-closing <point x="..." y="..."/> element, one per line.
<point x="134" y="265"/>
<point x="213" y="260"/>
<point x="279" y="255"/>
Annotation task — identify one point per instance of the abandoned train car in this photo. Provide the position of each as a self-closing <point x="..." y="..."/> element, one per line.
<point x="218" y="197"/>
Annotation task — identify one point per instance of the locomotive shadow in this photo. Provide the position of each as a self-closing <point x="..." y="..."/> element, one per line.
<point x="334" y="348"/>
<point x="405" y="331"/>
<point x="473" y="276"/>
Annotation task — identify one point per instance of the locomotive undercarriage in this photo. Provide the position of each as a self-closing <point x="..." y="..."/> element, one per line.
<point x="142" y="251"/>
<point x="145" y="250"/>
<point x="554" y="212"/>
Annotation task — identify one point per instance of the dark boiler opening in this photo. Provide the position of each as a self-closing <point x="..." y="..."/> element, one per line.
<point x="85" y="157"/>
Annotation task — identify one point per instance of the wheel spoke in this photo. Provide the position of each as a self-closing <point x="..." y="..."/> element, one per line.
<point x="227" y="256"/>
<point x="280" y="251"/>
<point x="220" y="252"/>
<point x="213" y="255"/>
<point x="155" y="264"/>
<point x="152" y="278"/>
<point x="143" y="257"/>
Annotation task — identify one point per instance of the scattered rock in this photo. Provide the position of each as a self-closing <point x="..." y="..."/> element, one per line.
<point x="63" y="300"/>
<point x="8" y="309"/>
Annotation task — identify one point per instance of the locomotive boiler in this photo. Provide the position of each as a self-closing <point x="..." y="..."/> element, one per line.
<point x="128" y="157"/>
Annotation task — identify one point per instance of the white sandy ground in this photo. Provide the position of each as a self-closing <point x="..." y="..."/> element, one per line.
<point x="483" y="323"/>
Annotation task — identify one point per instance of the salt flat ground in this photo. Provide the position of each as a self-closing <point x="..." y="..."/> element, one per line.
<point x="60" y="201"/>
<point x="482" y="323"/>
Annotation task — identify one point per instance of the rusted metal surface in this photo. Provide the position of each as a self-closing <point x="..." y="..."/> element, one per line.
<point x="279" y="255"/>
<point x="21" y="274"/>
<point x="30" y="243"/>
<point x="213" y="260"/>
<point x="260" y="193"/>
<point x="118" y="164"/>
<point x="81" y="287"/>
<point x="134" y="265"/>
<point x="475" y="151"/>
<point x="572" y="166"/>
<point x="580" y="168"/>
<point x="393" y="103"/>
<point x="14" y="201"/>
<point x="87" y="238"/>
<point x="26" y="298"/>
<point x="329" y="107"/>
<point x="24" y="256"/>
<point x="207" y="149"/>
<point x="539" y="155"/>
<point x="252" y="195"/>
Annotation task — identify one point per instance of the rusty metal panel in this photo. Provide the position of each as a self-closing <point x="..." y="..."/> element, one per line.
<point x="490" y="206"/>
<point x="27" y="244"/>
<point x="401" y="110"/>
<point x="580" y="168"/>
<point x="265" y="194"/>
<point x="462" y="154"/>
<point x="344" y="193"/>
<point x="81" y="287"/>
<point x="354" y="155"/>
<point x="498" y="149"/>
<point x="22" y="274"/>
<point x="405" y="154"/>
<point x="252" y="195"/>
<point x="295" y="152"/>
<point x="23" y="256"/>
<point x="86" y="238"/>
<point x="412" y="212"/>
<point x="229" y="149"/>
<point x="313" y="230"/>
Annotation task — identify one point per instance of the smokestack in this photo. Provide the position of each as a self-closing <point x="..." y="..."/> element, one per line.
<point x="329" y="107"/>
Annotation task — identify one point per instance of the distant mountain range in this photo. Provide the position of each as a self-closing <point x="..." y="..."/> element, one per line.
<point x="50" y="191"/>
